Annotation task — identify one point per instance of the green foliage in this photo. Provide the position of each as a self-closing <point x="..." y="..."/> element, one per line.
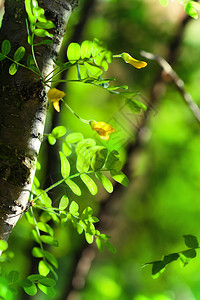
<point x="38" y="21"/>
<point x="185" y="256"/>
<point x="90" y="160"/>
<point x="191" y="7"/>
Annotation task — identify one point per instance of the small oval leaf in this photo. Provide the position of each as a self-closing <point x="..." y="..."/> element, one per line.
<point x="64" y="201"/>
<point x="6" y="47"/>
<point x="91" y="185"/>
<point x="65" y="165"/>
<point x="13" y="69"/>
<point x="73" y="52"/>
<point x="42" y="33"/>
<point x="73" y="186"/>
<point x="19" y="53"/>
<point x="105" y="181"/>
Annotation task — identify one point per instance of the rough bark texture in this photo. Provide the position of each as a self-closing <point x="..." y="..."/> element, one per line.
<point x="23" y="108"/>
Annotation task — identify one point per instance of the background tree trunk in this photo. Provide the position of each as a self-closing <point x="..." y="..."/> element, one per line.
<point x="24" y="106"/>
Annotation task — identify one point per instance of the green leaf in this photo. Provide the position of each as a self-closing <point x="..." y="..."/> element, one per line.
<point x="73" y="52"/>
<point x="51" y="258"/>
<point x="31" y="290"/>
<point x="104" y="64"/>
<point x="3" y="245"/>
<point x="98" y="154"/>
<point x="73" y="186"/>
<point x="37" y="252"/>
<point x="45" y="216"/>
<point x="19" y="53"/>
<point x="73" y="208"/>
<point x="44" y="42"/>
<point x="91" y="185"/>
<point x="35" y="277"/>
<point x="79" y="228"/>
<point x="190" y="9"/>
<point x="2" y="57"/>
<point x="64" y="201"/>
<point x="45" y="228"/>
<point x="59" y="131"/>
<point x="114" y="88"/>
<point x="110" y="247"/>
<point x="66" y="149"/>
<point x="109" y="56"/>
<point x="87" y="212"/>
<point x="25" y="283"/>
<point x="38" y="12"/>
<point x="191" y="241"/>
<point x="47" y="239"/>
<point x="83" y="160"/>
<point x="45" y="25"/>
<point x="30" y="40"/>
<point x="113" y="162"/>
<point x="35" y="236"/>
<point x="49" y="291"/>
<point x="100" y="244"/>
<point x="119" y="177"/>
<point x="47" y="281"/>
<point x="51" y="139"/>
<point x="157" y="268"/>
<point x="6" y="47"/>
<point x="186" y="256"/>
<point x="170" y="258"/>
<point x="105" y="181"/>
<point x="74" y="137"/>
<point x="13" y="69"/>
<point x="135" y="106"/>
<point x="29" y="218"/>
<point x="42" y="33"/>
<point x="28" y="7"/>
<point x="85" y="143"/>
<point x="13" y="276"/>
<point x="43" y="268"/>
<point x="30" y="60"/>
<point x="65" y="165"/>
<point x="86" y="49"/>
<point x="89" y="237"/>
<point x="94" y="70"/>
<point x="190" y="253"/>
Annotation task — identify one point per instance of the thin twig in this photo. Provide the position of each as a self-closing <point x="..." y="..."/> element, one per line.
<point x="178" y="82"/>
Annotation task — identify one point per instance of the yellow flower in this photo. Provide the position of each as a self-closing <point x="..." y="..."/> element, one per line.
<point x="103" y="129"/>
<point x="134" y="62"/>
<point x="55" y="95"/>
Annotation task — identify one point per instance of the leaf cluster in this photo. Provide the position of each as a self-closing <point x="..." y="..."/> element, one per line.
<point x="18" y="55"/>
<point x="184" y="256"/>
<point x="38" y="24"/>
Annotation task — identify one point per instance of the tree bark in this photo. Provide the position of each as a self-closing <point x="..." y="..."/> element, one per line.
<point x="23" y="107"/>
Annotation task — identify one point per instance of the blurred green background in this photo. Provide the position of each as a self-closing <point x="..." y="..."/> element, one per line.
<point x="147" y="219"/>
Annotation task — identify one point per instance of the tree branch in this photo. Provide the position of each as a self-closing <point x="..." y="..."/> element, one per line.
<point x="178" y="82"/>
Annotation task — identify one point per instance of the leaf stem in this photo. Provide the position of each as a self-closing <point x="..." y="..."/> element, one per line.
<point x="81" y="119"/>
<point x="21" y="65"/>
<point x="62" y="180"/>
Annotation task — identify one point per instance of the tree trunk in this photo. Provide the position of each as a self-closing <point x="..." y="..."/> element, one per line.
<point x="23" y="107"/>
